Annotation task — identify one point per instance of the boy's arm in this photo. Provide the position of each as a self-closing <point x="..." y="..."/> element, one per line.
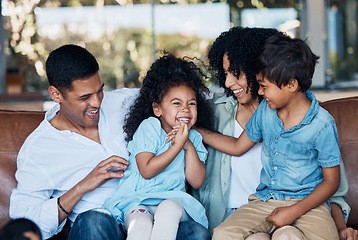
<point x="286" y="215"/>
<point x="227" y="144"/>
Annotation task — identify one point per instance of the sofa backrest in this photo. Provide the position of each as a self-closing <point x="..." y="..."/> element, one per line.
<point x="15" y="126"/>
<point x="345" y="112"/>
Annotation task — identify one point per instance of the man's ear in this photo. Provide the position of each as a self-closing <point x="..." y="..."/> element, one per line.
<point x="55" y="94"/>
<point x="156" y="109"/>
<point x="292" y="85"/>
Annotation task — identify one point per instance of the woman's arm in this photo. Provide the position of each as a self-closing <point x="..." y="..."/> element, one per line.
<point x="345" y="233"/>
<point x="286" y="215"/>
<point x="227" y="144"/>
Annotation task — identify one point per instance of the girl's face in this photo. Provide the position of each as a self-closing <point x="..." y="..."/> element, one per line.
<point x="178" y="105"/>
<point x="237" y="85"/>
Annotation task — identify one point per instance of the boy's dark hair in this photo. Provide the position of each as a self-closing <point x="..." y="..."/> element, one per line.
<point x="241" y="45"/>
<point x="165" y="73"/>
<point x="284" y="58"/>
<point x="15" y="229"/>
<point x="67" y="64"/>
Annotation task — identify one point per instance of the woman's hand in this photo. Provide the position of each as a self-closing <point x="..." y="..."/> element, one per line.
<point x="348" y="234"/>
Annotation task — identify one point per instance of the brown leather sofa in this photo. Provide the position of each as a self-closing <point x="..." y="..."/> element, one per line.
<point x="16" y="126"/>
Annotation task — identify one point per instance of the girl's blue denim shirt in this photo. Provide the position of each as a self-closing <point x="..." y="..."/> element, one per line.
<point x="293" y="159"/>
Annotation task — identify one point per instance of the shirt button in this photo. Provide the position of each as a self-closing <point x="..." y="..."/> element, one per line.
<point x="272" y="182"/>
<point x="274" y="168"/>
<point x="276" y="153"/>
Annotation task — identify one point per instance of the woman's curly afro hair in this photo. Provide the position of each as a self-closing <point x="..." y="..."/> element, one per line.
<point x="165" y="73"/>
<point x="241" y="46"/>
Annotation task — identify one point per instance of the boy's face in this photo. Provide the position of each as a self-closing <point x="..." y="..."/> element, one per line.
<point x="275" y="97"/>
<point x="178" y="105"/>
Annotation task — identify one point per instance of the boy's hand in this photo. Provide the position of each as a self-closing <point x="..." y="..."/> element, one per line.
<point x="282" y="216"/>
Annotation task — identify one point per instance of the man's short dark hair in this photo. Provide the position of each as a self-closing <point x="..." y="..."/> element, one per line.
<point x="284" y="58"/>
<point x="69" y="63"/>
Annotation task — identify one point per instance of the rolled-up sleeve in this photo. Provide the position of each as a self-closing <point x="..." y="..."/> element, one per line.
<point x="340" y="197"/>
<point x="31" y="199"/>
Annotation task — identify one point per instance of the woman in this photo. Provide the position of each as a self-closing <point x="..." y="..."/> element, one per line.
<point x="230" y="180"/>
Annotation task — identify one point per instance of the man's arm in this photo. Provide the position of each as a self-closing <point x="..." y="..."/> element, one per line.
<point x="33" y="200"/>
<point x="98" y="176"/>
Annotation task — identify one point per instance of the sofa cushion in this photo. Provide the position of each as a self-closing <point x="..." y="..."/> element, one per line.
<point x="15" y="126"/>
<point x="345" y="112"/>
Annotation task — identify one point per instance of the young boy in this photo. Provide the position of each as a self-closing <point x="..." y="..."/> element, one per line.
<point x="300" y="154"/>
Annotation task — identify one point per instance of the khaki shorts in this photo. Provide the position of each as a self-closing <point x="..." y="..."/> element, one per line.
<point x="251" y="218"/>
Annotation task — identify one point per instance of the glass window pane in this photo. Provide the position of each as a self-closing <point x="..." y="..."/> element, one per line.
<point x="343" y="41"/>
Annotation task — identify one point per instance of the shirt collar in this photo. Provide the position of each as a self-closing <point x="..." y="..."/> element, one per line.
<point x="311" y="113"/>
<point x="313" y="109"/>
<point x="229" y="101"/>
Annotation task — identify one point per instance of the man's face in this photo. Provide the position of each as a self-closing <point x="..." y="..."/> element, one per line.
<point x="80" y="106"/>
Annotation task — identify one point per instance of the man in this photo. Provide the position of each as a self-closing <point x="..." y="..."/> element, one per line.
<point x="75" y="158"/>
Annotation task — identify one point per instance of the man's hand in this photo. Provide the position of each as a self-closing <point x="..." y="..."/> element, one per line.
<point x="101" y="174"/>
<point x="348" y="234"/>
<point x="282" y="216"/>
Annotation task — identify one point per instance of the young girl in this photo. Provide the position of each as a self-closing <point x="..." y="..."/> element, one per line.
<point x="153" y="189"/>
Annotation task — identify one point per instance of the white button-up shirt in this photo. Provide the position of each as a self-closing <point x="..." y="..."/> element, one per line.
<point x="51" y="162"/>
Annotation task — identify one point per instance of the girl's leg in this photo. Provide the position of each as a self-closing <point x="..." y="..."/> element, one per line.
<point x="166" y="220"/>
<point x="287" y="233"/>
<point x="138" y="222"/>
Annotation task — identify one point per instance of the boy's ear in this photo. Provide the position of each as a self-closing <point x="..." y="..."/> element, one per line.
<point x="156" y="109"/>
<point x="292" y="85"/>
<point x="55" y="94"/>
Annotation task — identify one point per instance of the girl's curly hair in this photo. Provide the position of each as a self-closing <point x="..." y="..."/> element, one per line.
<point x="165" y="73"/>
<point x="241" y="46"/>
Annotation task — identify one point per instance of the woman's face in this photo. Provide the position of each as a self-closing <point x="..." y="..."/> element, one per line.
<point x="237" y="85"/>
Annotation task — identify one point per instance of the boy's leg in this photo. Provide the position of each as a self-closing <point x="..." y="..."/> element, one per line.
<point x="138" y="222"/>
<point x="247" y="220"/>
<point x="96" y="224"/>
<point x="166" y="220"/>
<point x="318" y="224"/>
<point x="287" y="233"/>
<point x="258" y="236"/>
